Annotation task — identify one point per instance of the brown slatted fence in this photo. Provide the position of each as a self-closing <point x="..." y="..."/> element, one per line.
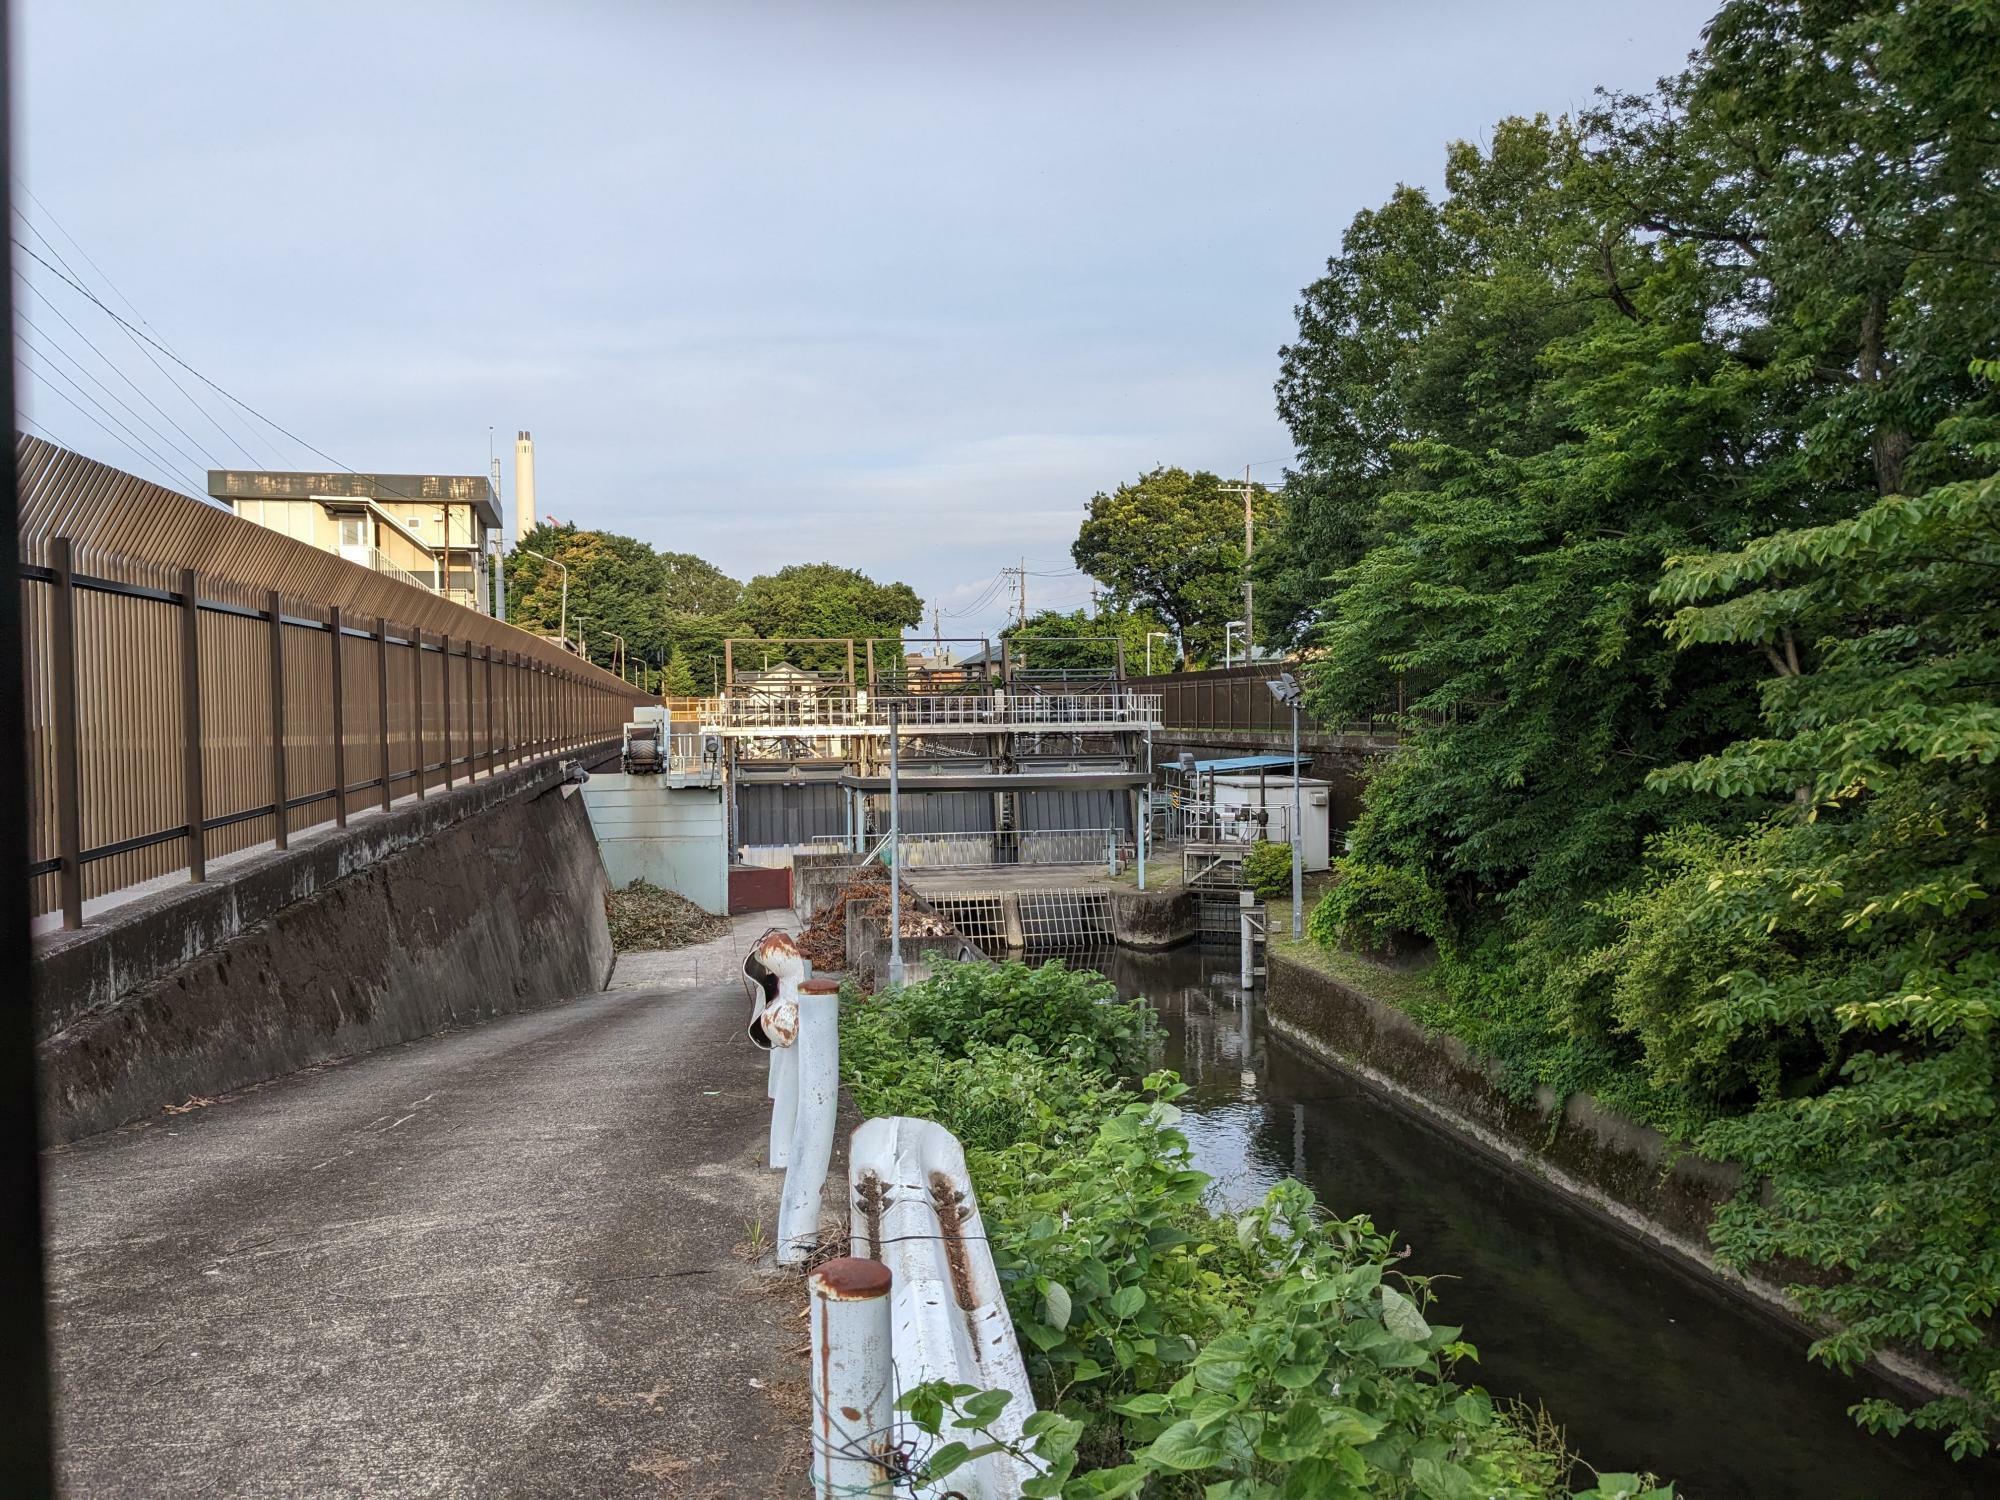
<point x="145" y="764"/>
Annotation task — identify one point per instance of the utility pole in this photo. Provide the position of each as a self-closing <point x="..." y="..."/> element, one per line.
<point x="1249" y="543"/>
<point x="1021" y="573"/>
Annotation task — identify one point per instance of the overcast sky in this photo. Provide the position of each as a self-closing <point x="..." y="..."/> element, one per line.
<point x="895" y="285"/>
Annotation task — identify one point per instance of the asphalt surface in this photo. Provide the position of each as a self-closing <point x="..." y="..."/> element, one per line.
<point x="504" y="1261"/>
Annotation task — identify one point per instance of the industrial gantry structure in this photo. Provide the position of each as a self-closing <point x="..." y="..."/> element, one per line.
<point x="996" y="755"/>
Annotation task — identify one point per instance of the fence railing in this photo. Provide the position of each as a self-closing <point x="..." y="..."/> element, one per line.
<point x="919" y="712"/>
<point x="198" y="685"/>
<point x="1237" y="698"/>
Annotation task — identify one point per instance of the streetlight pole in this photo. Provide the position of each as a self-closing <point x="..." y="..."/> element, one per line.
<point x="564" y="627"/>
<point x="1165" y="635"/>
<point x="621" y="653"/>
<point x="895" y="860"/>
<point x="1228" y="626"/>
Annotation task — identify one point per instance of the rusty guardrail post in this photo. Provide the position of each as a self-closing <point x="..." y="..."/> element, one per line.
<point x="853" y="1379"/>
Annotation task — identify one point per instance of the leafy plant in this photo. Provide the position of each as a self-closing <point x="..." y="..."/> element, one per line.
<point x="1267" y="869"/>
<point x="1174" y="1350"/>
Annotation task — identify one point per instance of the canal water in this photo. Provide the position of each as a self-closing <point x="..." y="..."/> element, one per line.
<point x="1645" y="1364"/>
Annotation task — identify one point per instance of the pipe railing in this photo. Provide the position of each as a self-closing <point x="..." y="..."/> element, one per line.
<point x="930" y="713"/>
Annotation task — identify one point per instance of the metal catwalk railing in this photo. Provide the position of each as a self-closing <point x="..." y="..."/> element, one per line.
<point x="919" y="713"/>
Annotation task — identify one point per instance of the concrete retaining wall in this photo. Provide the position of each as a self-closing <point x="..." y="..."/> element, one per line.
<point x="1631" y="1171"/>
<point x="1155" y="919"/>
<point x="672" y="837"/>
<point x="473" y="903"/>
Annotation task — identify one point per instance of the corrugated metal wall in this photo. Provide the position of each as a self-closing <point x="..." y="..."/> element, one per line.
<point x="789" y="812"/>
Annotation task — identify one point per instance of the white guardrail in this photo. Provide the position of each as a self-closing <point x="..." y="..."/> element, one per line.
<point x="918" y="1299"/>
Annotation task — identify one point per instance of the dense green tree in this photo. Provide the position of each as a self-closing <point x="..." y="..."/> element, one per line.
<point x="1171" y="542"/>
<point x="1647" y="457"/>
<point x="1079" y="641"/>
<point x="825" y="600"/>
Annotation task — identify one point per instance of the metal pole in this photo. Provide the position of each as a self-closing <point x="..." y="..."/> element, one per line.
<point x="382" y="705"/>
<point x="1145" y="808"/>
<point x="1247" y="964"/>
<point x="195" y="800"/>
<point x="444" y="702"/>
<point x="895" y="860"/>
<point x="276" y="606"/>
<point x="1298" y="838"/>
<point x="338" y="630"/>
<point x="854" y="1379"/>
<point x="811" y="1149"/>
<point x="68" y="747"/>
<point x="1246" y="562"/>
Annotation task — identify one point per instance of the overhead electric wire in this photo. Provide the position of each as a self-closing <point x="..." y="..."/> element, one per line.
<point x="77" y="280"/>
<point x="992" y="591"/>
<point x="193" y="462"/>
<point x="111" y="363"/>
<point x="139" y="340"/>
<point x="57" y="391"/>
<point x="138" y="443"/>
<point x="143" y="337"/>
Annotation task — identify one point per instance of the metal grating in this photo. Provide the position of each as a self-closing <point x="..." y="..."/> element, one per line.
<point x="1218" y="919"/>
<point x="982" y="919"/>
<point x="1064" y="921"/>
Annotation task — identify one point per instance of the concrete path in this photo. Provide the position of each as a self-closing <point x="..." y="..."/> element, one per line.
<point x="505" y="1261"/>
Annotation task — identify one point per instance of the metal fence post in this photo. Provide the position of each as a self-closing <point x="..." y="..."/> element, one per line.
<point x="68" y="752"/>
<point x="417" y="705"/>
<point x="492" y="759"/>
<point x="854" y="1379"/>
<point x="382" y="704"/>
<point x="334" y="624"/>
<point x="444" y="701"/>
<point x="193" y="797"/>
<point x="276" y="606"/>
<point x="471" y="719"/>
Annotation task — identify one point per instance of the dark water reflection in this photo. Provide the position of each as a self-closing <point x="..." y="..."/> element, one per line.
<point x="1647" y="1365"/>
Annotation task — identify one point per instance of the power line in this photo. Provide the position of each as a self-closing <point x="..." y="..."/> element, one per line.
<point x="133" y="332"/>
<point x="75" y="281"/>
<point x="137" y="443"/>
<point x="57" y="391"/>
<point x="112" y="364"/>
<point x="193" y="462"/>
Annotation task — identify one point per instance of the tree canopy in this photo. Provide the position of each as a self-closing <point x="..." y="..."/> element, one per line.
<point x="1171" y="542"/>
<point x="1051" y="639"/>
<point x="1654" y="456"/>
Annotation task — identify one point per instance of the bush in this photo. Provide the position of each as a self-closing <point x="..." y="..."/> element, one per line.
<point x="1057" y="1009"/>
<point x="1377" y="908"/>
<point x="1173" y="1350"/>
<point x="1267" y="870"/>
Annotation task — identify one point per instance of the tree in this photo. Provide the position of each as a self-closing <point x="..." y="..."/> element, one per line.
<point x="1171" y="542"/>
<point x="1083" y="642"/>
<point x="825" y="600"/>
<point x="1846" y="935"/>
<point x="1654" y="459"/>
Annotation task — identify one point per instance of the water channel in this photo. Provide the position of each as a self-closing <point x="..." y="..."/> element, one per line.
<point x="1646" y="1364"/>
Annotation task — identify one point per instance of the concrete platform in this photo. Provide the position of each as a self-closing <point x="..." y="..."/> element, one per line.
<point x="503" y="1261"/>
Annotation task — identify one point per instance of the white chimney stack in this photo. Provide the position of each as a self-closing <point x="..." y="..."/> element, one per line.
<point x="524" y="487"/>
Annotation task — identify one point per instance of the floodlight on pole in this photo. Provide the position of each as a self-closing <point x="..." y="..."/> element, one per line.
<point x="1165" y="635"/>
<point x="1285" y="688"/>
